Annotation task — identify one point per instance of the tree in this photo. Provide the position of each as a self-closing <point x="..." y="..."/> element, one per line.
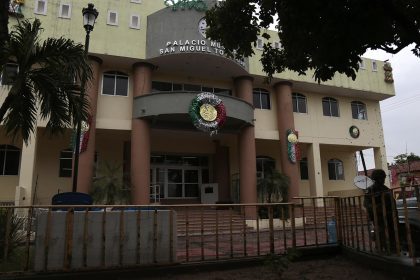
<point x="45" y="83"/>
<point x="109" y="187"/>
<point x="406" y="158"/>
<point x="273" y="187"/>
<point x="326" y="36"/>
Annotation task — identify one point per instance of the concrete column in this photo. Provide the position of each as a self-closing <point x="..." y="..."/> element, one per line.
<point x="285" y="121"/>
<point x="247" y="153"/>
<point x="221" y="171"/>
<point x="87" y="158"/>
<point x="140" y="139"/>
<point x="381" y="162"/>
<point x="25" y="190"/>
<point x="315" y="170"/>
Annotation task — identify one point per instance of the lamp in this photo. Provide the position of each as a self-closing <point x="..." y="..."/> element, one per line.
<point x="89" y="18"/>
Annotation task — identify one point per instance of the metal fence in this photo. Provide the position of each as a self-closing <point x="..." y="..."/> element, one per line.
<point x="63" y="238"/>
<point x="384" y="223"/>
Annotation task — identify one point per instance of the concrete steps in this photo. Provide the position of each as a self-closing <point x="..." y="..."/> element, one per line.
<point x="209" y="221"/>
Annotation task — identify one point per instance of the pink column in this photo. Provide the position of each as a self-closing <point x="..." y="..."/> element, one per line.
<point x="221" y="171"/>
<point x="285" y="121"/>
<point x="87" y="158"/>
<point x="247" y="153"/>
<point x="140" y="138"/>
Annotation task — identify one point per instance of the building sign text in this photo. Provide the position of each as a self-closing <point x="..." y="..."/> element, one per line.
<point x="195" y="46"/>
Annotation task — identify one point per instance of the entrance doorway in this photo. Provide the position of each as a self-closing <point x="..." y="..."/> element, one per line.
<point x="179" y="176"/>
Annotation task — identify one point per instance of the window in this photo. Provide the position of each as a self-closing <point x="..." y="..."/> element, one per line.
<point x="158" y="86"/>
<point x="161" y="86"/>
<point x="299" y="103"/>
<point x="261" y="98"/>
<point x="115" y="83"/>
<point x="64" y="10"/>
<point x="330" y="107"/>
<point x="9" y="73"/>
<point x="362" y="64"/>
<point x="9" y="160"/>
<point x="188" y="87"/>
<point x="303" y="166"/>
<point x="260" y="44"/>
<point x="41" y="7"/>
<point x="112" y="18"/>
<point x="264" y="166"/>
<point x="358" y="110"/>
<point x="374" y="66"/>
<point x="335" y="169"/>
<point x="135" y="22"/>
<point x="223" y="91"/>
<point x="66" y="163"/>
<point x="276" y="45"/>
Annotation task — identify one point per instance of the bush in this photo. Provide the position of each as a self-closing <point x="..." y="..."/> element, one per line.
<point x="16" y="234"/>
<point x="277" y="212"/>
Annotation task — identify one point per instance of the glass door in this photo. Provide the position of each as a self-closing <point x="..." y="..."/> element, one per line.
<point x="191" y="183"/>
<point x="179" y="176"/>
<point x="175" y="189"/>
<point x="157" y="177"/>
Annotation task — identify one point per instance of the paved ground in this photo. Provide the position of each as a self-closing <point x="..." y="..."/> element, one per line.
<point x="338" y="267"/>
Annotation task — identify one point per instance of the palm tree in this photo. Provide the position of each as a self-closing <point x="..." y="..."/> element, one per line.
<point x="46" y="82"/>
<point x="109" y="187"/>
<point x="273" y="187"/>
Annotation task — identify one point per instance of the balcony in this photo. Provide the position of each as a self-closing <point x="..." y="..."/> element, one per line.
<point x="170" y="110"/>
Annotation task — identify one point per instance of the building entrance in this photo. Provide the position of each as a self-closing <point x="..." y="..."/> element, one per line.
<point x="179" y="176"/>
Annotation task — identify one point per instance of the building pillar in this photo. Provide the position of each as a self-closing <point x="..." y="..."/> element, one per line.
<point x="140" y="139"/>
<point x="221" y="172"/>
<point x="315" y="170"/>
<point x="381" y="162"/>
<point x="247" y="153"/>
<point x="285" y="121"/>
<point x="87" y="158"/>
<point x="24" y="193"/>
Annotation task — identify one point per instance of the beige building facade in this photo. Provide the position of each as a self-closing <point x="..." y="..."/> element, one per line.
<point x="150" y="63"/>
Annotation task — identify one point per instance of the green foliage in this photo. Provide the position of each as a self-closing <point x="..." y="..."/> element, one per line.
<point x="273" y="187"/>
<point x="15" y="235"/>
<point x="325" y="36"/>
<point x="404" y="158"/>
<point x="109" y="187"/>
<point x="45" y="83"/>
<point x="280" y="263"/>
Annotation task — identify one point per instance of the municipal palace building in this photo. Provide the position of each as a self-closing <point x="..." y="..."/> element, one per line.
<point x="188" y="124"/>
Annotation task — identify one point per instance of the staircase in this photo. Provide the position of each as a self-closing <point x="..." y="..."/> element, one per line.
<point x="349" y="215"/>
<point x="208" y="221"/>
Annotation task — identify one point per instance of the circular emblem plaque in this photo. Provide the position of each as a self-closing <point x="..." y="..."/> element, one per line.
<point x="208" y="112"/>
<point x="202" y="26"/>
<point x="354" y="131"/>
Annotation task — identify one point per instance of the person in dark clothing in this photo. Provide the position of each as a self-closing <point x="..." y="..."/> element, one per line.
<point x="383" y="219"/>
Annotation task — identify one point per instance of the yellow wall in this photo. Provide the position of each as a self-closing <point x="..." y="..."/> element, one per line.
<point x="48" y="166"/>
<point x="367" y="80"/>
<point x="335" y="130"/>
<point x="122" y="41"/>
<point x="8" y="183"/>
<point x="349" y="164"/>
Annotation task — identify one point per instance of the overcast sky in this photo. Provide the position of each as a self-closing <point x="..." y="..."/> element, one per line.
<point x="401" y="113"/>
